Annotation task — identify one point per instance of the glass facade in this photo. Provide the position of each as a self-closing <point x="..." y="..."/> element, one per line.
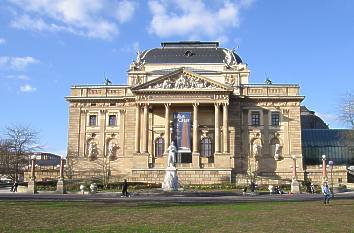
<point x="337" y="145"/>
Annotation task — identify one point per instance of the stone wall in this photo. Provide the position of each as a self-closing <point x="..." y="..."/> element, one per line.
<point x="185" y="176"/>
<point x="339" y="175"/>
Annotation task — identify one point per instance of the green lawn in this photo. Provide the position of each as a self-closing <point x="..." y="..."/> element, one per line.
<point x="124" y="217"/>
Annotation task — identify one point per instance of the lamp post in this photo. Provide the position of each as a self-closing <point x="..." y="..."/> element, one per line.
<point x="324" y="171"/>
<point x="31" y="187"/>
<point x="330" y="164"/>
<point x="295" y="186"/>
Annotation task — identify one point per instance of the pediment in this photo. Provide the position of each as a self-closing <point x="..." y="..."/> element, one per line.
<point x="181" y="80"/>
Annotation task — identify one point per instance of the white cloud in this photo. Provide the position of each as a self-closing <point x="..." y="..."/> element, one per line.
<point x="125" y="11"/>
<point x="194" y="18"/>
<point x="17" y="63"/>
<point x="18" y="77"/>
<point x="27" y="88"/>
<point x="96" y="19"/>
<point x="2" y="41"/>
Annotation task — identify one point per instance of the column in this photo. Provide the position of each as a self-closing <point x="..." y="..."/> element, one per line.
<point x="146" y="129"/>
<point x="217" y="129"/>
<point x="167" y="127"/>
<point x="225" y="127"/>
<point x="137" y="129"/>
<point x="294" y="167"/>
<point x="195" y="128"/>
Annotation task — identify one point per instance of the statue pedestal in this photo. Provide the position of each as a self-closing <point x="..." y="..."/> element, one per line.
<point x="170" y="182"/>
<point x="295" y="186"/>
<point x="32" y="188"/>
<point x="60" y="187"/>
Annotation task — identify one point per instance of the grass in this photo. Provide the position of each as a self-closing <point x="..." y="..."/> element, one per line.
<point x="125" y="217"/>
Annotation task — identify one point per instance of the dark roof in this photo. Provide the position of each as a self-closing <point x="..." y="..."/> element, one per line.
<point x="187" y="52"/>
<point x="197" y="71"/>
<point x="327" y="137"/>
<point x="309" y="120"/>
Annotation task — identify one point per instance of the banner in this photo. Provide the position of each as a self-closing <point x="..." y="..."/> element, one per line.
<point x="182" y="131"/>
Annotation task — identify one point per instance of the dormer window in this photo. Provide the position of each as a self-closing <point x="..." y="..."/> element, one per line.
<point x="188" y="53"/>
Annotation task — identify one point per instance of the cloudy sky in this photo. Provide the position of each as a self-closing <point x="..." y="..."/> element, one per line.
<point x="48" y="45"/>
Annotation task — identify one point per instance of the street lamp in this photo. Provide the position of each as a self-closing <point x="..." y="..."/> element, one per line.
<point x="324" y="171"/>
<point x="330" y="164"/>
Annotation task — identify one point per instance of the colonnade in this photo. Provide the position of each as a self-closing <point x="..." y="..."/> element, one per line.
<point x="141" y="146"/>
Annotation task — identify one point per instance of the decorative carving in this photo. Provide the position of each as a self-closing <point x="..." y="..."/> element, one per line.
<point x="112" y="149"/>
<point x="92" y="150"/>
<point x="230" y="79"/>
<point x="139" y="62"/>
<point x="183" y="82"/>
<point x="230" y="59"/>
<point x="137" y="80"/>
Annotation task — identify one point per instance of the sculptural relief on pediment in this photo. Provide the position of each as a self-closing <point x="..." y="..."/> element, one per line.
<point x="183" y="82"/>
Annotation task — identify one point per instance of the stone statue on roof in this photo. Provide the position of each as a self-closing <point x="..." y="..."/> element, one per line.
<point x="229" y="57"/>
<point x="139" y="61"/>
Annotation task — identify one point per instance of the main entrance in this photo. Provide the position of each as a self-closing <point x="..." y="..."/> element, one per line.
<point x="182" y="136"/>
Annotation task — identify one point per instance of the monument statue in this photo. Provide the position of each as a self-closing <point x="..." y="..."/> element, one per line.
<point x="170" y="182"/>
<point x="171" y="160"/>
<point x="257" y="149"/>
<point x="92" y="149"/>
<point x="111" y="149"/>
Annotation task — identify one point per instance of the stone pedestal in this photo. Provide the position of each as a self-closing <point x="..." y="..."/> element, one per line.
<point x="170" y="182"/>
<point x="295" y="186"/>
<point x="32" y="187"/>
<point x="60" y="187"/>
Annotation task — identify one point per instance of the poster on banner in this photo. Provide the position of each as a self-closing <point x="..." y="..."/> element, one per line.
<point x="182" y="131"/>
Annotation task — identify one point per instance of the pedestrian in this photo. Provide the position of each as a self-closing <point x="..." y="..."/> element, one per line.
<point x="125" y="188"/>
<point x="15" y="186"/>
<point x="312" y="188"/>
<point x="244" y="191"/>
<point x="253" y="187"/>
<point x="326" y="192"/>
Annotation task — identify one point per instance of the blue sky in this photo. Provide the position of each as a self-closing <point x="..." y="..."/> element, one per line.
<point x="48" y="45"/>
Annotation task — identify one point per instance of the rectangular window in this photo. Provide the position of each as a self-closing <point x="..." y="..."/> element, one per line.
<point x="255" y="118"/>
<point x="112" y="120"/>
<point x="93" y="120"/>
<point x="275" y="118"/>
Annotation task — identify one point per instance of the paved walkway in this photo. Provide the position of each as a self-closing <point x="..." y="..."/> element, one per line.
<point x="167" y="197"/>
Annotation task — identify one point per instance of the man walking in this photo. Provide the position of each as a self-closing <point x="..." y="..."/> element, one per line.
<point x="326" y="192"/>
<point x="125" y="188"/>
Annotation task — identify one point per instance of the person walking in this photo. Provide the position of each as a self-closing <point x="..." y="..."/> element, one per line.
<point x="326" y="192"/>
<point x="312" y="188"/>
<point x="15" y="186"/>
<point x="125" y="188"/>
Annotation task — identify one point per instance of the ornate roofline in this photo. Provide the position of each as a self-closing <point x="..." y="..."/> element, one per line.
<point x="146" y="86"/>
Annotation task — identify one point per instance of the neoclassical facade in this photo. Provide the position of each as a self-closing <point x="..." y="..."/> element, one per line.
<point x="197" y="95"/>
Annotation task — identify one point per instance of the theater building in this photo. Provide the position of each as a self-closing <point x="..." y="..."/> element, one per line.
<point x="198" y="95"/>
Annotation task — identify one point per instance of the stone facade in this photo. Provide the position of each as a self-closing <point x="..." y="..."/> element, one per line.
<point x="254" y="129"/>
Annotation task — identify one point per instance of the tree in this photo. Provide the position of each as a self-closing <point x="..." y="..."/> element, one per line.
<point x="347" y="109"/>
<point x="19" y="143"/>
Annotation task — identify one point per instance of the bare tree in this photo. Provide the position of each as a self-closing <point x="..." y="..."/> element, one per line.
<point x="347" y="109"/>
<point x="19" y="142"/>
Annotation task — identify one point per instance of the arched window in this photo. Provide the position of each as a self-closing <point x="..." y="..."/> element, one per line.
<point x="159" y="146"/>
<point x="206" y="147"/>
